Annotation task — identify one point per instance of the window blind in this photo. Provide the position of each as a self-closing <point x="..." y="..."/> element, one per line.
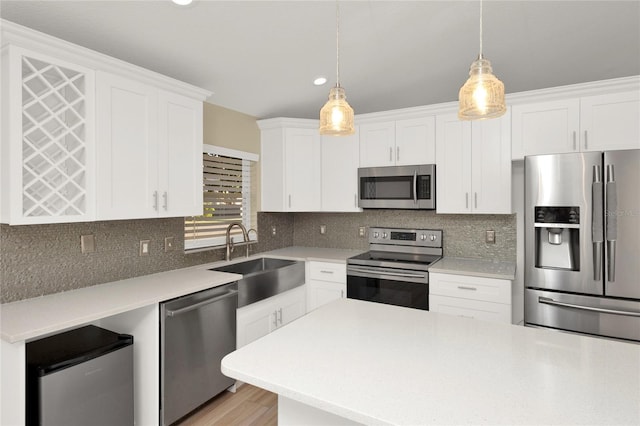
<point x="227" y="198"/>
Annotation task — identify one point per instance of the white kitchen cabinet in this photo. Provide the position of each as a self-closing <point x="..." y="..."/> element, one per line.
<point x="469" y="296"/>
<point x="261" y="318"/>
<point x="327" y="282"/>
<point x="339" y="173"/>
<point x="47" y="151"/>
<point x="589" y="123"/>
<point x="149" y="151"/>
<point x="473" y="165"/>
<point x="290" y="167"/>
<point x="399" y="142"/>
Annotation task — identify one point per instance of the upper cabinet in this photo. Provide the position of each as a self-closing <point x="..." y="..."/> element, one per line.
<point x="339" y="173"/>
<point x="149" y="145"/>
<point x="590" y="123"/>
<point x="473" y="165"/>
<point x="87" y="137"/>
<point x="48" y="145"/>
<point x="399" y="142"/>
<point x="290" y="153"/>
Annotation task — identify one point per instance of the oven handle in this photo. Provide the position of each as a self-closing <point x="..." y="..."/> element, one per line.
<point x="391" y="274"/>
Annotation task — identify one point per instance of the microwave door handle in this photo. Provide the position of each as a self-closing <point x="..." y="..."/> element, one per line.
<point x="612" y="223"/>
<point x="597" y="222"/>
<point x="415" y="187"/>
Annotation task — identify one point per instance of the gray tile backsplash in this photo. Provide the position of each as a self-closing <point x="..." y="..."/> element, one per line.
<point x="42" y="259"/>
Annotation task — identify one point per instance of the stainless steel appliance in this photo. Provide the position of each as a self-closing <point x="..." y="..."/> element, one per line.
<point x="397" y="187"/>
<point x="394" y="270"/>
<point x="196" y="332"/>
<point x="582" y="243"/>
<point x="80" y="377"/>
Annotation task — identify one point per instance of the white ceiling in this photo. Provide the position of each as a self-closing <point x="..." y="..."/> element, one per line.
<point x="260" y="57"/>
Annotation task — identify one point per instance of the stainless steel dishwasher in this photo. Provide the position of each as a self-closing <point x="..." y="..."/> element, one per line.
<point x="196" y="332"/>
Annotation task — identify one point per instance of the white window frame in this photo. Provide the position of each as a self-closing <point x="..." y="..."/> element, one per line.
<point x="247" y="220"/>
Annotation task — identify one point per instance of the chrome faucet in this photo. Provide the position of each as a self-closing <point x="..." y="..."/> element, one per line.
<point x="245" y="238"/>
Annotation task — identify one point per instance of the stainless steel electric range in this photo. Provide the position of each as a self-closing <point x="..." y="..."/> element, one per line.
<point x="395" y="269"/>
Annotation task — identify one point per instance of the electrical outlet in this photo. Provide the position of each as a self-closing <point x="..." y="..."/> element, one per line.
<point x="168" y="244"/>
<point x="362" y="231"/>
<point x="144" y="247"/>
<point x="490" y="237"/>
<point x="273" y="231"/>
<point x="87" y="243"/>
<point x="323" y="229"/>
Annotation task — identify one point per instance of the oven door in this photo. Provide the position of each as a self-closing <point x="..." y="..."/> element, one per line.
<point x="392" y="286"/>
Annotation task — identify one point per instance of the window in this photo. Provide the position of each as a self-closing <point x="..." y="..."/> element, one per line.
<point x="229" y="196"/>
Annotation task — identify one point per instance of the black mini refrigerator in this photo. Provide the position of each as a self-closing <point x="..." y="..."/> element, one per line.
<point x="80" y="377"/>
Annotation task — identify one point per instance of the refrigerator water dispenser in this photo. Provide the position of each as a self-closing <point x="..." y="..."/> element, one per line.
<point x="557" y="238"/>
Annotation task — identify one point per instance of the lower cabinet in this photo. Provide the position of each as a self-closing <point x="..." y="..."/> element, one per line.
<point x="327" y="282"/>
<point x="261" y="318"/>
<point x="469" y="296"/>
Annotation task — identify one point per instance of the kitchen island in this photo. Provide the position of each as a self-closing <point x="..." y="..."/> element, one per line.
<point x="352" y="362"/>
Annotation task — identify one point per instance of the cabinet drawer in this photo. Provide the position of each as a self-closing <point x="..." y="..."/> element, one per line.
<point x="467" y="308"/>
<point x="468" y="287"/>
<point x="328" y="271"/>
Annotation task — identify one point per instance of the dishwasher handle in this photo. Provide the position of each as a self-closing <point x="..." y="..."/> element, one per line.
<point x="229" y="293"/>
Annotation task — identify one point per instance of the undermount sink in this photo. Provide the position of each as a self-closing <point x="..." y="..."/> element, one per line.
<point x="264" y="277"/>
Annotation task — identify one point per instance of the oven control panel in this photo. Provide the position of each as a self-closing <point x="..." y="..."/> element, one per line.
<point x="406" y="237"/>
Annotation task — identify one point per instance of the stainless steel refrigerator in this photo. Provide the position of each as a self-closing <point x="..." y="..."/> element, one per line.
<point x="582" y="243"/>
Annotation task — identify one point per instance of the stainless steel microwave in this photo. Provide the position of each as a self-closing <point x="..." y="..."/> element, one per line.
<point x="397" y="187"/>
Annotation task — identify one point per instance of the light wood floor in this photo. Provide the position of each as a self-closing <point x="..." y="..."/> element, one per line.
<point x="249" y="406"/>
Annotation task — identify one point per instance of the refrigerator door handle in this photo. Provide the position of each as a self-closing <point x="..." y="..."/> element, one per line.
<point x="612" y="223"/>
<point x="549" y="301"/>
<point x="597" y="222"/>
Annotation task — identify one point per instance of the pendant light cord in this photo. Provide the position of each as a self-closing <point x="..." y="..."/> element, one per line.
<point x="337" y="44"/>
<point x="481" y="29"/>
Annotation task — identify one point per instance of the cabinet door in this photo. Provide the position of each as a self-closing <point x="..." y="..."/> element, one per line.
<point x="127" y="149"/>
<point x="302" y="164"/>
<point x="416" y="141"/>
<point x="255" y="321"/>
<point x="47" y="139"/>
<point x="545" y="128"/>
<point x="322" y="292"/>
<point x="340" y="159"/>
<point x="377" y="144"/>
<point x="610" y="122"/>
<point x="491" y="165"/>
<point x="180" y="155"/>
<point x="467" y="308"/>
<point x="453" y="164"/>
<point x="272" y="170"/>
<point x="292" y="305"/>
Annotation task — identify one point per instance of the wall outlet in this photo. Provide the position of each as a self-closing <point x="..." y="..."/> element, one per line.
<point x="362" y="231"/>
<point x="87" y="243"/>
<point x="273" y="231"/>
<point x="168" y="244"/>
<point x="323" y="229"/>
<point x="490" y="237"/>
<point x="144" y="247"/>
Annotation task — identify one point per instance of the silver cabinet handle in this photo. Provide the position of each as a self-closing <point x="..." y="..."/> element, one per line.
<point x="189" y="308"/>
<point x="390" y="154"/>
<point x="475" y="197"/>
<point x="586" y="143"/>
<point x="275" y="319"/>
<point x="355" y="200"/>
<point x="289" y="200"/>
<point x="342" y="294"/>
<point x="612" y="222"/>
<point x="574" y="140"/>
<point x="397" y="153"/>
<point x="326" y="272"/>
<point x="280" y="315"/>
<point x="466" y="200"/>
<point x="549" y="301"/>
<point x="597" y="221"/>
<point x="415" y="187"/>
<point x="165" y="204"/>
<point x="155" y="200"/>
<point x="464" y="287"/>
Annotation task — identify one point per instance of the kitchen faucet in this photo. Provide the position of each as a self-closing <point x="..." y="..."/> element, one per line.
<point x="245" y="237"/>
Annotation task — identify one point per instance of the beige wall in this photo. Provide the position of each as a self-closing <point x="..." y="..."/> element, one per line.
<point x="235" y="130"/>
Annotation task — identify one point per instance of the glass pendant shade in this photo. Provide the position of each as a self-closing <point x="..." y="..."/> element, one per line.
<point x="336" y="116"/>
<point x="482" y="96"/>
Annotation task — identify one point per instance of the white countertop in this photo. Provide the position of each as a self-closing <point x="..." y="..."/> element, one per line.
<point x="382" y="364"/>
<point x="32" y="318"/>
<point x="476" y="267"/>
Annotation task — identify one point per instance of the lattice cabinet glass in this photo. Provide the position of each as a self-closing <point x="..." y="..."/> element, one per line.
<point x="50" y="142"/>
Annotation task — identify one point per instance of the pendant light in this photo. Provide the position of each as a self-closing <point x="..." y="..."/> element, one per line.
<point x="482" y="96"/>
<point x="336" y="116"/>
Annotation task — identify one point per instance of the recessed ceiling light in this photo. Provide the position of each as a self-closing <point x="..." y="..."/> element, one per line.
<point x="182" y="2"/>
<point x="320" y="81"/>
